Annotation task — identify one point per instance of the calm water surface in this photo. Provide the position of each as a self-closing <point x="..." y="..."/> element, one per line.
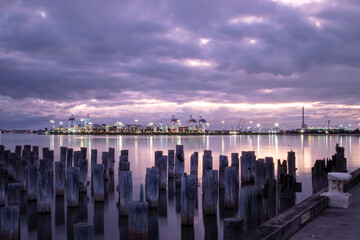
<point x="165" y="222"/>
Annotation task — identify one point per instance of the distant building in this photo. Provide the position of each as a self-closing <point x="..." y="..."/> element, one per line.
<point x="303" y="125"/>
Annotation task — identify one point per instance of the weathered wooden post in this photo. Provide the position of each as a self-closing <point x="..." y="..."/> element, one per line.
<point x="152" y="186"/>
<point x="23" y="172"/>
<point x="83" y="231"/>
<point x="230" y="187"/>
<point x="44" y="196"/>
<point x="13" y="194"/>
<point x="10" y="223"/>
<point x="124" y="164"/>
<point x="111" y="159"/>
<point x="171" y="165"/>
<point x="60" y="178"/>
<point x="3" y="182"/>
<point x="35" y="153"/>
<point x="83" y="165"/>
<point x="105" y="161"/>
<point x="194" y="164"/>
<point x="223" y="163"/>
<point x="32" y="182"/>
<point x="282" y="170"/>
<point x="69" y="157"/>
<point x="27" y="148"/>
<point x="18" y="150"/>
<point x="93" y="159"/>
<point x="63" y="151"/>
<point x="188" y="191"/>
<point x="319" y="176"/>
<point x="83" y="151"/>
<point x="271" y="188"/>
<point x="162" y="160"/>
<point x="98" y="182"/>
<point x="138" y="218"/>
<point x="292" y="164"/>
<point x="211" y="184"/>
<point x="248" y="162"/>
<point x="158" y="154"/>
<point x="72" y="187"/>
<point x="233" y="228"/>
<point x="235" y="163"/>
<point x="125" y="191"/>
<point x="179" y="164"/>
<point x="260" y="177"/>
<point x="77" y="156"/>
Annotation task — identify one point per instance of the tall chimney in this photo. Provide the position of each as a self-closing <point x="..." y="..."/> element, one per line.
<point x="303" y="118"/>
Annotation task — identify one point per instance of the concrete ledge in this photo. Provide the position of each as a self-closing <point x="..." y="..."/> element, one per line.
<point x="287" y="223"/>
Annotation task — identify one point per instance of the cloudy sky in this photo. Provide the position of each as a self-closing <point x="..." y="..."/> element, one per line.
<point x="259" y="60"/>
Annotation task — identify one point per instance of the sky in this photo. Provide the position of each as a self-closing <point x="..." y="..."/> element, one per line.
<point x="228" y="60"/>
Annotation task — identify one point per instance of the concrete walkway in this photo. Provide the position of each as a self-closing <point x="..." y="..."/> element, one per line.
<point x="334" y="223"/>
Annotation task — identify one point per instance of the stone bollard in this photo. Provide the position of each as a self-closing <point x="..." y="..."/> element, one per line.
<point x="188" y="195"/>
<point x="13" y="194"/>
<point x="125" y="191"/>
<point x="93" y="159"/>
<point x="248" y="171"/>
<point x="163" y="171"/>
<point x="63" y="151"/>
<point x="235" y="163"/>
<point x="138" y="218"/>
<point x="60" y="178"/>
<point x="152" y="186"/>
<point x="230" y="187"/>
<point x="171" y="164"/>
<point x="72" y="187"/>
<point x="44" y="196"/>
<point x="111" y="159"/>
<point x="211" y="184"/>
<point x="83" y="151"/>
<point x="223" y="163"/>
<point x="83" y="165"/>
<point x="10" y="223"/>
<point x="98" y="182"/>
<point x="194" y="164"/>
<point x="32" y="182"/>
<point x="105" y="161"/>
<point x="83" y="231"/>
<point x="335" y="193"/>
<point x="158" y="154"/>
<point x="69" y="157"/>
<point x="233" y="228"/>
<point x="179" y="164"/>
<point x="77" y="156"/>
<point x="3" y="183"/>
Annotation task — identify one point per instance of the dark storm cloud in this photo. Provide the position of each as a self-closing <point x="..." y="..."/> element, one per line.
<point x="117" y="52"/>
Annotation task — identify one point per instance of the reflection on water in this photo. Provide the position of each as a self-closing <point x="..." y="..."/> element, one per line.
<point x="164" y="222"/>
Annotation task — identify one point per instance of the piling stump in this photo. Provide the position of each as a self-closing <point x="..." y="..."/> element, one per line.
<point x="72" y="187"/>
<point x="230" y="187"/>
<point x="111" y="159"/>
<point x="98" y="182"/>
<point x="125" y="191"/>
<point x="162" y="161"/>
<point x="319" y="176"/>
<point x="138" y="218"/>
<point x="83" y="231"/>
<point x="83" y="182"/>
<point x="248" y="162"/>
<point x="152" y="186"/>
<point x="18" y="150"/>
<point x="235" y="162"/>
<point x="77" y="156"/>
<point x="260" y="176"/>
<point x="3" y="182"/>
<point x="63" y="151"/>
<point x="194" y="164"/>
<point x="10" y="223"/>
<point x="188" y="195"/>
<point x="211" y="184"/>
<point x="14" y="194"/>
<point x="69" y="157"/>
<point x="223" y="163"/>
<point x="83" y="151"/>
<point x="93" y="159"/>
<point x="44" y="196"/>
<point x="158" y="154"/>
<point x="32" y="182"/>
<point x="233" y="228"/>
<point x="171" y="163"/>
<point x="179" y="164"/>
<point x="105" y="161"/>
<point x="60" y="178"/>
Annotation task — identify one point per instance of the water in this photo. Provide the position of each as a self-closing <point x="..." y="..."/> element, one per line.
<point x="165" y="223"/>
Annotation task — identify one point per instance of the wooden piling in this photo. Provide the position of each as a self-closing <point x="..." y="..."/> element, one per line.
<point x="248" y="162"/>
<point x="138" y="218"/>
<point x="83" y="231"/>
<point x="152" y="186"/>
<point x="83" y="182"/>
<point x="282" y="170"/>
<point x="211" y="184"/>
<point x="125" y="191"/>
<point x="3" y="182"/>
<point x="179" y="164"/>
<point x="77" y="156"/>
<point x="44" y="196"/>
<point x="35" y="153"/>
<point x="233" y="228"/>
<point x="171" y="163"/>
<point x="188" y="192"/>
<point x="260" y="176"/>
<point x="10" y="223"/>
<point x="223" y="163"/>
<point x="13" y="194"/>
<point x="32" y="182"/>
<point x="230" y="187"/>
<point x="111" y="159"/>
<point x="162" y="161"/>
<point x="158" y="154"/>
<point x="194" y="164"/>
<point x="124" y="164"/>
<point x="63" y="151"/>
<point x="18" y="150"/>
<point x="98" y="182"/>
<point x="72" y="187"/>
<point x="83" y="151"/>
<point x="69" y="157"/>
<point x="319" y="176"/>
<point x="235" y="162"/>
<point x="93" y="159"/>
<point x="60" y="178"/>
<point x="291" y="160"/>
<point x="105" y="161"/>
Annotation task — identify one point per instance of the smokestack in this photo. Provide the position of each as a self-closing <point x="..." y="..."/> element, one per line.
<point x="303" y="117"/>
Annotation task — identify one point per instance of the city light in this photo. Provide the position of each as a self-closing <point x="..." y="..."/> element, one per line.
<point x="258" y="125"/>
<point x="276" y="124"/>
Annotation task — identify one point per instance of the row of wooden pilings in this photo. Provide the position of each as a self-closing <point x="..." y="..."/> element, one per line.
<point x="35" y="176"/>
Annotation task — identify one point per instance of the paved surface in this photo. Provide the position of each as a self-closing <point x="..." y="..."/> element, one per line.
<point x="334" y="223"/>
